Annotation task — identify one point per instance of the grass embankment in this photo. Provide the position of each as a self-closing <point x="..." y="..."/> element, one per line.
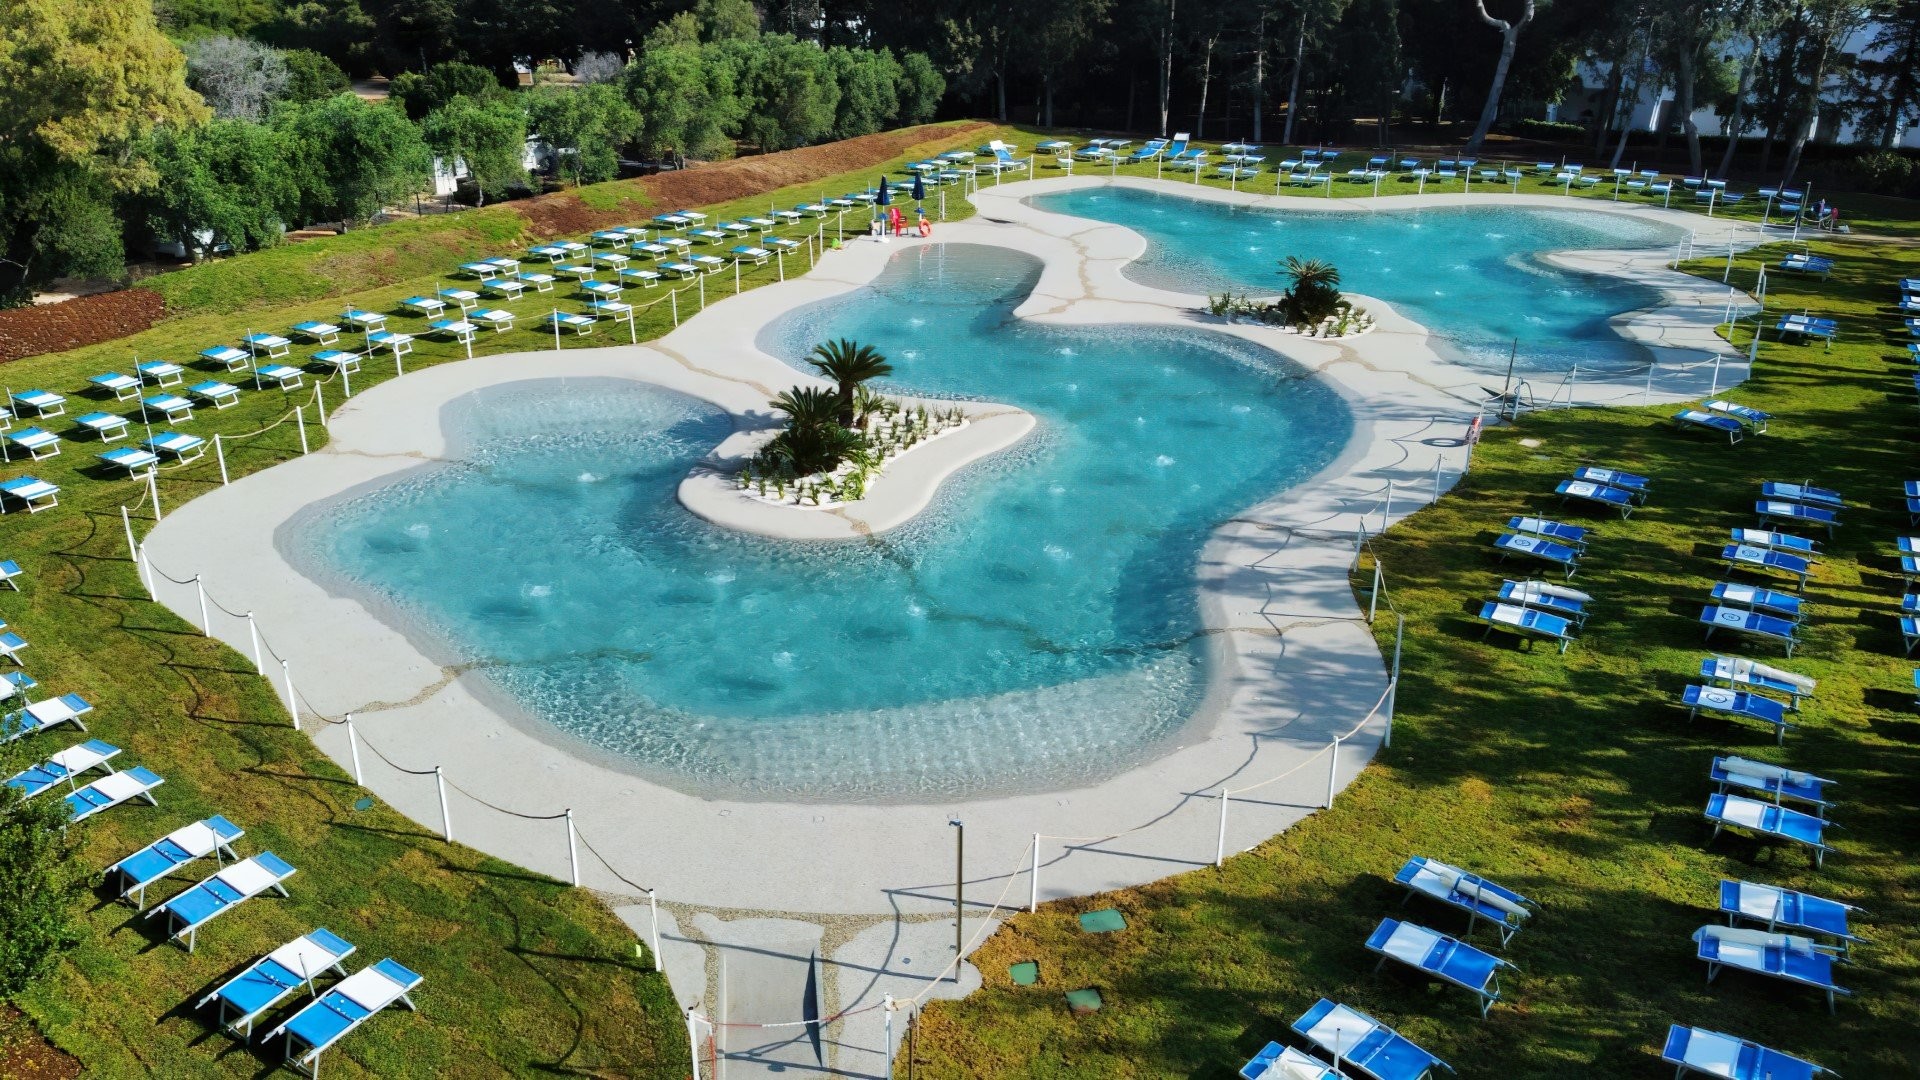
<point x="522" y="973"/>
<point x="1573" y="779"/>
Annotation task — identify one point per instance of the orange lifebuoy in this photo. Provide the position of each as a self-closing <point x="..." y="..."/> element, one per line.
<point x="926" y="227"/>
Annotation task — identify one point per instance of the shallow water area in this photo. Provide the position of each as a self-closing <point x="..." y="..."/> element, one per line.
<point x="1036" y="627"/>
<point x="1474" y="276"/>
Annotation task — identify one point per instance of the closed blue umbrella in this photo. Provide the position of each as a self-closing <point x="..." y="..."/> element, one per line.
<point x="886" y="196"/>
<point x="919" y="189"/>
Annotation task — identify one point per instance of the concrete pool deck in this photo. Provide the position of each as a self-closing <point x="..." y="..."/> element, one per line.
<point x="829" y="906"/>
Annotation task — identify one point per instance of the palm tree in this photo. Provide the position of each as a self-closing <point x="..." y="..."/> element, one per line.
<point x="848" y="364"/>
<point x="808" y="407"/>
<point x="1310" y="274"/>
<point x="1316" y="290"/>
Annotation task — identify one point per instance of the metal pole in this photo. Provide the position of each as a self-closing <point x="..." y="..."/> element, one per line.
<point x="253" y="635"/>
<point x="736" y="277"/>
<point x="446" y="823"/>
<point x="220" y="455"/>
<point x="887" y="1003"/>
<point x="353" y="748"/>
<point x="145" y="566"/>
<point x="346" y="380"/>
<point x="126" y="522"/>
<point x="1333" y="771"/>
<point x="693" y="1043"/>
<point x="653" y="913"/>
<point x="320" y="392"/>
<point x="1436" y="472"/>
<point x="1393" y="684"/>
<point x="1386" y="508"/>
<point x="959" y="892"/>
<point x="300" y="415"/>
<point x="673" y="301"/>
<point x="573" y="850"/>
<point x="555" y="318"/>
<point x="293" y="704"/>
<point x="1033" y="877"/>
<point x="1373" y="597"/>
<point x="206" y="628"/>
<point x="153" y="489"/>
<point x="1220" y="839"/>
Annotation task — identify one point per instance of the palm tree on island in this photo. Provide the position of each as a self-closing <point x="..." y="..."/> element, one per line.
<point x="848" y="364"/>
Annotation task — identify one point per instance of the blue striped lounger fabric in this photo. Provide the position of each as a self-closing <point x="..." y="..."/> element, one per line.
<point x="1739" y="620"/>
<point x="1699" y="418"/>
<point x="1693" y="1049"/>
<point x="1788" y="957"/>
<point x="1475" y="895"/>
<point x="267" y="981"/>
<point x="1587" y="491"/>
<point x="1440" y="956"/>
<point x="1768" y="819"/>
<point x="1529" y="623"/>
<point x="353" y="1001"/>
<point x="1364" y="1044"/>
<point x="1777" y="907"/>
<point x="1740" y="703"/>
<point x="227" y="889"/>
<point x="1538" y="548"/>
<point x="211" y="836"/>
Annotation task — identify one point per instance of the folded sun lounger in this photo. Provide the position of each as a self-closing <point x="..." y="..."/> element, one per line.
<point x="1778" y="541"/>
<point x="1754" y="598"/>
<point x="1768" y="819"/>
<point x="1528" y="622"/>
<point x="1587" y="491"/>
<point x="1639" y="485"/>
<point x="1802" y="493"/>
<point x="1754" y="419"/>
<point x="1440" y="956"/>
<point x="1774" y="781"/>
<point x="1738" y="620"/>
<point x="1710" y="1053"/>
<point x="226" y="889"/>
<point x="1362" y="1043"/>
<point x="1538" y="548"/>
<point x="1277" y="1062"/>
<point x="1797" y="513"/>
<point x="1779" y="907"/>
<point x="267" y="981"/>
<point x="1545" y="596"/>
<point x="212" y="836"/>
<point x="349" y="1004"/>
<point x="1478" y="897"/>
<point x="110" y="791"/>
<point x="1737" y="671"/>
<point x="1552" y="530"/>
<point x="1739" y="703"/>
<point x="1788" y="957"/>
<point x="1726" y="425"/>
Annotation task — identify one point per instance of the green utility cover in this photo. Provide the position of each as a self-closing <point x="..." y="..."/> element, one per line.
<point x="1024" y="974"/>
<point x="1102" y="922"/>
<point x="1083" y="1002"/>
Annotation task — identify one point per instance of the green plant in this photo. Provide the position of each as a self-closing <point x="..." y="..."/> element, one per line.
<point x="38" y="880"/>
<point x="849" y="365"/>
<point x="1313" y="293"/>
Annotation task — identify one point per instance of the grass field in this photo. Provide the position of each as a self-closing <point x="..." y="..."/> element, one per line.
<point x="524" y="975"/>
<point x="1573" y="779"/>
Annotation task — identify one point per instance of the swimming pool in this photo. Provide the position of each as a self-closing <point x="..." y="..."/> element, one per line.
<point x="1037" y="626"/>
<point x="1473" y="275"/>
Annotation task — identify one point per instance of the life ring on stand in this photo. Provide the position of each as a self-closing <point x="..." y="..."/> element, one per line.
<point x="926" y="227"/>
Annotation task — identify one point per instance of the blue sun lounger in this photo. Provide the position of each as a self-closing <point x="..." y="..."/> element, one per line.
<point x="1802" y="493"/>
<point x="111" y="790"/>
<point x="1365" y="1044"/>
<point x="1478" y="897"/>
<point x="45" y="714"/>
<point x="1277" y="1062"/>
<point x="9" y="574"/>
<point x="212" y="836"/>
<point x="1788" y="957"/>
<point x="267" y="981"/>
<point x="1778" y="541"/>
<point x="1768" y="819"/>
<point x="1692" y="1049"/>
<point x="1754" y="598"/>
<point x="1754" y="623"/>
<point x="1909" y="635"/>
<point x="1734" y="671"/>
<point x="1587" y="491"/>
<point x="10" y="646"/>
<point x="1748" y="557"/>
<point x="1754" y="419"/>
<point x="1797" y="513"/>
<point x="1440" y="956"/>
<point x="1529" y="623"/>
<point x="1739" y="703"/>
<point x="1801" y="326"/>
<point x="33" y="493"/>
<point x="1552" y="530"/>
<point x="227" y="889"/>
<point x="1777" y="907"/>
<point x="1639" y="485"/>
<point x="353" y="1001"/>
<point x="63" y="767"/>
<point x="1538" y="548"/>
<point x="1725" y="425"/>
<point x="1729" y="771"/>
<point x="1544" y="596"/>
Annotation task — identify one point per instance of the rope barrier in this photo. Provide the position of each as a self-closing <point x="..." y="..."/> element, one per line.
<point x="510" y="813"/>
<point x="588" y="844"/>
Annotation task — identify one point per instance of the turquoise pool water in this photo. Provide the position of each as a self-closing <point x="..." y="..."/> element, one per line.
<point x="1035" y="627"/>
<point x="1472" y="275"/>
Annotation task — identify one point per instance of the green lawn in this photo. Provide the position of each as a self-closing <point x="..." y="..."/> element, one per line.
<point x="1573" y="779"/>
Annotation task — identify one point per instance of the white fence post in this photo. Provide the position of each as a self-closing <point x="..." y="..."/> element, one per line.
<point x="1333" y="771"/>
<point x="126" y="522"/>
<point x="1393" y="680"/>
<point x="153" y="489"/>
<point x="253" y="635"/>
<point x="346" y="381"/>
<point x="146" y="573"/>
<point x="320" y="393"/>
<point x="693" y="1041"/>
<point x="300" y="415"/>
<point x="1386" y="508"/>
<point x="1373" y="597"/>
<point x="1220" y="838"/>
<point x="887" y="1004"/>
<point x="446" y="821"/>
<point x="200" y="590"/>
<point x="653" y="915"/>
<point x="1436" y="474"/>
<point x="353" y="748"/>
<point x="573" y="850"/>
<point x="673" y="302"/>
<point x="1033" y="877"/>
<point x="220" y="455"/>
<point x="293" y="704"/>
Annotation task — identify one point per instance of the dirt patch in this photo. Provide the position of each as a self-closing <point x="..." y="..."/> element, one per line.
<point x="564" y="214"/>
<point x="25" y="1054"/>
<point x="71" y="324"/>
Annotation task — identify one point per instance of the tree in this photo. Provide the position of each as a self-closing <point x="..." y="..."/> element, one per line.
<point x="598" y="67"/>
<point x="814" y="440"/>
<point x="1059" y="33"/>
<point x="1890" y="73"/>
<point x="488" y="134"/>
<point x="1828" y="23"/>
<point x="1313" y="291"/>
<point x="311" y="76"/>
<point x="84" y="81"/>
<point x="849" y="364"/>
<point x="352" y="159"/>
<point x="688" y="98"/>
<point x="585" y="126"/>
<point x="39" y="881"/>
<point x="340" y="30"/>
<point x="1366" y="51"/>
<point x="869" y="90"/>
<point x="228" y="178"/>
<point x="1509" y="41"/>
<point x="920" y="90"/>
<point x="237" y="77"/>
<point x="727" y="20"/>
<point x="790" y="90"/>
<point x="421" y="94"/>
